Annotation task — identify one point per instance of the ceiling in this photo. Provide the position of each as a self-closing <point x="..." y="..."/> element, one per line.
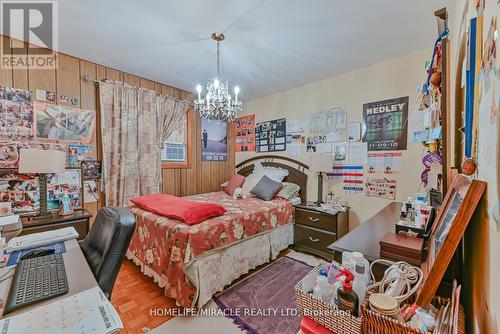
<point x="270" y="46"/>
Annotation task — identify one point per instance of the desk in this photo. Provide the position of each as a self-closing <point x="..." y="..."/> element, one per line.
<point x="80" y="277"/>
<point x="365" y="238"/>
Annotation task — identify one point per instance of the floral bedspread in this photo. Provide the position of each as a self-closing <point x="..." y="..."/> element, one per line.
<point x="165" y="245"/>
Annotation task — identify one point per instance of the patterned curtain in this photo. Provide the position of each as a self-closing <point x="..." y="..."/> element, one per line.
<point x="132" y="128"/>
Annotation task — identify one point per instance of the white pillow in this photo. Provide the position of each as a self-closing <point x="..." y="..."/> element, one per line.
<point x="274" y="173"/>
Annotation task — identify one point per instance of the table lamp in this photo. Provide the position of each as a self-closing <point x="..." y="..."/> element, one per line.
<point x="321" y="163"/>
<point x="41" y="162"/>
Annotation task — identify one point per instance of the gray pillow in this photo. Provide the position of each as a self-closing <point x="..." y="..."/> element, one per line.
<point x="266" y="188"/>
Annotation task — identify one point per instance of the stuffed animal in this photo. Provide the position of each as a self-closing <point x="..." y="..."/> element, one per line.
<point x="238" y="193"/>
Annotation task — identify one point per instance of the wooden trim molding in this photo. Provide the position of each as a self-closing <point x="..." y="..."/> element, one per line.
<point x="189" y="146"/>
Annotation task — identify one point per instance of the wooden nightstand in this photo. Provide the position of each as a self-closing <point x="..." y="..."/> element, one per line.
<point x="315" y="230"/>
<point x="80" y="220"/>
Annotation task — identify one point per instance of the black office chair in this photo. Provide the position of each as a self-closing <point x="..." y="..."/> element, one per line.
<point x="106" y="245"/>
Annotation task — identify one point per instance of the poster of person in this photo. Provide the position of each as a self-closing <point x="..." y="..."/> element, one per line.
<point x="270" y="136"/>
<point x="213" y="140"/>
<point x="381" y="187"/>
<point x="92" y="170"/>
<point x="16" y="120"/>
<point x="79" y="153"/>
<point x="245" y="133"/>
<point x="313" y="142"/>
<point x="62" y="123"/>
<point x="69" y="180"/>
<point x="20" y="190"/>
<point x="386" y="124"/>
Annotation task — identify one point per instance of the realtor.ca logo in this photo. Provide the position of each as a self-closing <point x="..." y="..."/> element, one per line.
<point x="34" y="22"/>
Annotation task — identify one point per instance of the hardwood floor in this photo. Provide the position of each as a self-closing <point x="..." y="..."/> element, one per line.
<point x="134" y="295"/>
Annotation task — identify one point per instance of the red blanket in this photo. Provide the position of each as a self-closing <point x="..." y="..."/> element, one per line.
<point x="178" y="208"/>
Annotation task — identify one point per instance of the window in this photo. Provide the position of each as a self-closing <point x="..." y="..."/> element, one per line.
<point x="176" y="149"/>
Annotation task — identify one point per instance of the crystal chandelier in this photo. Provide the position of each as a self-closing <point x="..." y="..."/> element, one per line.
<point x="218" y="104"/>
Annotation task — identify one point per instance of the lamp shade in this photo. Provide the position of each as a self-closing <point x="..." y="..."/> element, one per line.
<point x="33" y="161"/>
<point x="321" y="163"/>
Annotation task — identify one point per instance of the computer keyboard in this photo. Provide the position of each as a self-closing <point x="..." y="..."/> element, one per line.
<point x="35" y="280"/>
<point x="41" y="239"/>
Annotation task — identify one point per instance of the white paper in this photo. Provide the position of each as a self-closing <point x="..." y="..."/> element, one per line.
<point x="464" y="73"/>
<point x="358" y="153"/>
<point x="90" y="193"/>
<point x="354" y="131"/>
<point x="293" y="150"/>
<point x="324" y="148"/>
<point x="340" y="152"/>
<point x="296" y="125"/>
<point x="85" y="312"/>
<point x="336" y="136"/>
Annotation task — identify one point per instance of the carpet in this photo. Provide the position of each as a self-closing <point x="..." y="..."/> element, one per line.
<point x="264" y="303"/>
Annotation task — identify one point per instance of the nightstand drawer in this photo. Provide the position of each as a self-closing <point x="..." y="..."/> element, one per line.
<point x="316" y="219"/>
<point x="313" y="238"/>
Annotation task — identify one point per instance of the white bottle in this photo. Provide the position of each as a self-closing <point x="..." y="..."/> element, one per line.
<point x="359" y="284"/>
<point x="323" y="289"/>
<point x="357" y="257"/>
<point x="335" y="287"/>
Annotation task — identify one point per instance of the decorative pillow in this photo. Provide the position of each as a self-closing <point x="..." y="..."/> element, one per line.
<point x="289" y="190"/>
<point x="178" y="208"/>
<point x="266" y="188"/>
<point x="274" y="173"/>
<point x="250" y="182"/>
<point x="236" y="181"/>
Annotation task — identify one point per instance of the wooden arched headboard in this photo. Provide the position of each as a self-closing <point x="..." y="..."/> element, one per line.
<point x="295" y="174"/>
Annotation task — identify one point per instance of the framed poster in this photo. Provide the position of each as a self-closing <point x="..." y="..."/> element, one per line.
<point x="244" y="129"/>
<point x="270" y="136"/>
<point x="213" y="140"/>
<point x="386" y="124"/>
<point x="70" y="180"/>
<point x="56" y="122"/>
<point x="21" y="190"/>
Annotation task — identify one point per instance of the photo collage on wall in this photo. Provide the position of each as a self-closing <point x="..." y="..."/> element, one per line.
<point x="270" y="136"/>
<point x="245" y="133"/>
<point x="29" y="124"/>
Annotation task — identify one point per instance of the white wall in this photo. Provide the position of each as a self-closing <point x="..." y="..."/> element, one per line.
<point x="394" y="78"/>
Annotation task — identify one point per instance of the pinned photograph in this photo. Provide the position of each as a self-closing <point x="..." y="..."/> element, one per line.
<point x="16" y="120"/>
<point x="92" y="170"/>
<point x="79" y="153"/>
<point x="45" y="95"/>
<point x="62" y="123"/>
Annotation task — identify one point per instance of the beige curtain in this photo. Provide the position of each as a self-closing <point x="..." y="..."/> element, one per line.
<point x="133" y="123"/>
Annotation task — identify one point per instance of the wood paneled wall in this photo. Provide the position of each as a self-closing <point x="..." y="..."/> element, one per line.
<point x="68" y="80"/>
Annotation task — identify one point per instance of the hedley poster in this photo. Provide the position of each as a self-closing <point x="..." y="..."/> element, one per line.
<point x="213" y="140"/>
<point x="386" y="124"/>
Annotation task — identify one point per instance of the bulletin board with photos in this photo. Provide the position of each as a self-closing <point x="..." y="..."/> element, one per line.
<point x="245" y="133"/>
<point x="270" y="136"/>
<point x="29" y="124"/>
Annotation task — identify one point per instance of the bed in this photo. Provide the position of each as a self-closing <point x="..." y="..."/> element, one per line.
<point x="192" y="263"/>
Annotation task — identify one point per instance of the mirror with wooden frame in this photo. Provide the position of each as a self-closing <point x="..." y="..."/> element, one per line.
<point x="453" y="217"/>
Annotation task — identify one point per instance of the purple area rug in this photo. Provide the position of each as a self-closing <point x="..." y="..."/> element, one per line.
<point x="264" y="303"/>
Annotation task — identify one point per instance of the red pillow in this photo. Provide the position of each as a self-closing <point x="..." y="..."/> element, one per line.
<point x="178" y="208"/>
<point x="236" y="181"/>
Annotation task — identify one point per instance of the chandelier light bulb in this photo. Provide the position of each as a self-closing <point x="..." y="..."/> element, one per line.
<point x="198" y="89"/>
<point x="236" y="92"/>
